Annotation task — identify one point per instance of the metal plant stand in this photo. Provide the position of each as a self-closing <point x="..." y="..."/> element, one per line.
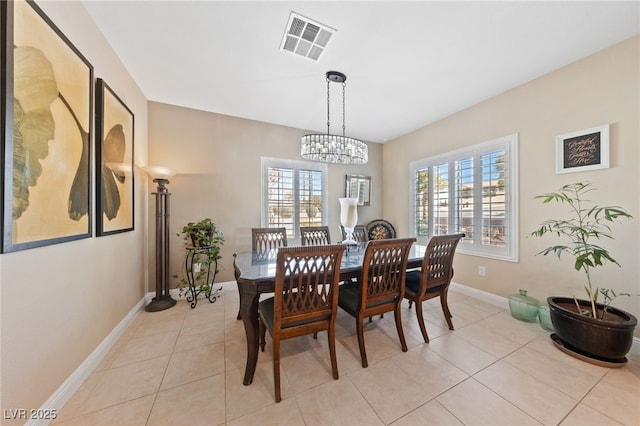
<point x="192" y="267"/>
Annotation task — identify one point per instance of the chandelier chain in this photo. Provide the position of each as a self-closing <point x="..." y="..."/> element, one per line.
<point x="344" y="85"/>
<point x="328" y="105"/>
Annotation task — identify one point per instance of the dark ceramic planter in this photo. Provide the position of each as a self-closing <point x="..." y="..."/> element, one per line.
<point x="195" y="237"/>
<point x="607" y="340"/>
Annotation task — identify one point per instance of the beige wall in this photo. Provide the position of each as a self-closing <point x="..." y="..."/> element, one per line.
<point x="603" y="88"/>
<point x="59" y="302"/>
<point x="219" y="157"/>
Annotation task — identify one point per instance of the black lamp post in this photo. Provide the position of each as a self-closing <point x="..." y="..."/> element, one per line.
<point x="163" y="299"/>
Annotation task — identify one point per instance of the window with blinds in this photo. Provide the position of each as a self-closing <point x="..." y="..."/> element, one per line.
<point x="421" y="218"/>
<point x="474" y="191"/>
<point x="293" y="194"/>
<point x="440" y="204"/>
<point x="310" y="198"/>
<point x="494" y="227"/>
<point x="464" y="197"/>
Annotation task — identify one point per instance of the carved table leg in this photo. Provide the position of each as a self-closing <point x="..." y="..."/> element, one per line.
<point x="249" y="314"/>
<point x="240" y="302"/>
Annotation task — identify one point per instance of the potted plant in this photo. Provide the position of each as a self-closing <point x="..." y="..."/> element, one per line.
<point x="203" y="241"/>
<point x="587" y="328"/>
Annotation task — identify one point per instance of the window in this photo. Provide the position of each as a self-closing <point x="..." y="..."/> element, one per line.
<point x="294" y="194"/>
<point x="473" y="190"/>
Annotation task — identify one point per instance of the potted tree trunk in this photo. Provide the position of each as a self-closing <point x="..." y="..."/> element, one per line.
<point x="587" y="329"/>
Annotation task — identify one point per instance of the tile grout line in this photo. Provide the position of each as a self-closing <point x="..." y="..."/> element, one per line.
<point x="166" y="367"/>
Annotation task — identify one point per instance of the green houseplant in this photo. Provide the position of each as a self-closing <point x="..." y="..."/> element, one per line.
<point x="203" y="241"/>
<point x="583" y="324"/>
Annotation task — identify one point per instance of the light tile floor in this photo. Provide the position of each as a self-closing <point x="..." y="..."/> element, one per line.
<point x="185" y="366"/>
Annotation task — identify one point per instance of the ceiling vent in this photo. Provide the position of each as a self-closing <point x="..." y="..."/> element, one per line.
<point x="305" y="37"/>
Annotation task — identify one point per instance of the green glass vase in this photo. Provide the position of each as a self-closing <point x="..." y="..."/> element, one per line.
<point x="523" y="307"/>
<point x="544" y="316"/>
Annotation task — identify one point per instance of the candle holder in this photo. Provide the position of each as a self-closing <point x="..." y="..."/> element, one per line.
<point x="349" y="218"/>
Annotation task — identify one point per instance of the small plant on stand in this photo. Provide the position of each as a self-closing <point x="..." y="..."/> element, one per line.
<point x="203" y="241"/>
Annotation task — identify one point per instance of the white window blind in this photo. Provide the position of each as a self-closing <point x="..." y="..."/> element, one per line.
<point x="293" y="194"/>
<point x="474" y="191"/>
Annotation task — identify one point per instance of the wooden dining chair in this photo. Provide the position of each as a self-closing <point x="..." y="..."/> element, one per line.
<point x="314" y="235"/>
<point x="359" y="233"/>
<point x="268" y="239"/>
<point x="264" y="243"/>
<point x="379" y="288"/>
<point x="433" y="278"/>
<point x="305" y="300"/>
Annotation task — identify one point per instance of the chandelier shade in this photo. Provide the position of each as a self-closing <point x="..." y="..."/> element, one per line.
<point x="334" y="149"/>
<point x="330" y="148"/>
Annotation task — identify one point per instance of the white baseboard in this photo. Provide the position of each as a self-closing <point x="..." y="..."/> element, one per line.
<point x="63" y="394"/>
<point x="499" y="301"/>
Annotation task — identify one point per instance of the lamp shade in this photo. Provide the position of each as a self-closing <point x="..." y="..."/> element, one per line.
<point x="159" y="172"/>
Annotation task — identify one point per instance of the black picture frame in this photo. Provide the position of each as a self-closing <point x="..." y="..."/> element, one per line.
<point x="583" y="150"/>
<point x="115" y="125"/>
<point x="47" y="101"/>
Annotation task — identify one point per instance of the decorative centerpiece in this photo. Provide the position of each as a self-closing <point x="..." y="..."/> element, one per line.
<point x="349" y="218"/>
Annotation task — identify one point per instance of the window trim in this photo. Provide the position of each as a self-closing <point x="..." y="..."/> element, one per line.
<point x="267" y="162"/>
<point x="510" y="144"/>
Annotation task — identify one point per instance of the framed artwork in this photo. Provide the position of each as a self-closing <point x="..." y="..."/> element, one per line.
<point x="358" y="186"/>
<point x="47" y="99"/>
<point x="114" y="162"/>
<point x="583" y="150"/>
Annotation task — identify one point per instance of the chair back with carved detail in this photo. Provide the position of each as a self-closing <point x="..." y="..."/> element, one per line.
<point x="360" y="234"/>
<point x="314" y="235"/>
<point x="265" y="243"/>
<point x="305" y="299"/>
<point x="268" y="239"/>
<point x="433" y="278"/>
<point x="380" y="286"/>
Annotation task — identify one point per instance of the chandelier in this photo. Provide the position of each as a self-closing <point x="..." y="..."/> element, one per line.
<point x="330" y="148"/>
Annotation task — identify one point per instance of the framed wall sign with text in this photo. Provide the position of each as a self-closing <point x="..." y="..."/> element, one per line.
<point x="583" y="150"/>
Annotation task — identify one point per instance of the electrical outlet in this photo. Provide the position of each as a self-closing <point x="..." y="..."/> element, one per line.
<point x="482" y="271"/>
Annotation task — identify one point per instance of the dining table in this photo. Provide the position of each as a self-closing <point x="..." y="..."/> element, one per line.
<point x="255" y="273"/>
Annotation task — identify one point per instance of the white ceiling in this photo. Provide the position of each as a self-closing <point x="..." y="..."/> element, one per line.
<point x="408" y="64"/>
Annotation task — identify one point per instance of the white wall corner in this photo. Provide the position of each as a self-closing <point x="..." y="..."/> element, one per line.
<point x="63" y="394"/>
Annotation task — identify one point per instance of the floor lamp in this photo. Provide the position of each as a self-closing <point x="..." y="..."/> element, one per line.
<point x="163" y="299"/>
